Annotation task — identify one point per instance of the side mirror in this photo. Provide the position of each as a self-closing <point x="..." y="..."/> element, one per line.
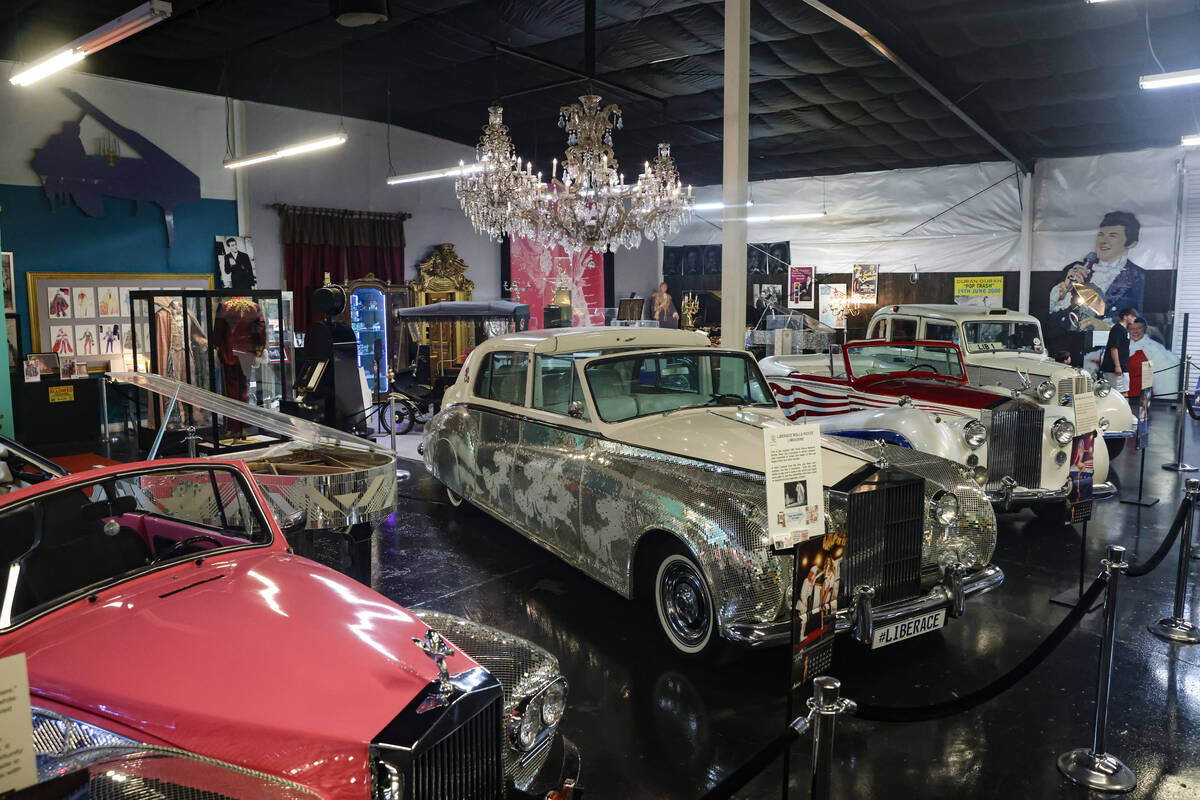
<point x="575" y="409"/>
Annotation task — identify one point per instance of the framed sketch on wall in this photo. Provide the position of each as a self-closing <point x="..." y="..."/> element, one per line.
<point x="13" y="324"/>
<point x="10" y="298"/>
<point x="81" y="313"/>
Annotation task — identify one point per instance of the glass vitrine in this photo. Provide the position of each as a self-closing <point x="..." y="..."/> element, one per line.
<point x="237" y="344"/>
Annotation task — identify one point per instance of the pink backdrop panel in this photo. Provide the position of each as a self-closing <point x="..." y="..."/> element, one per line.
<point x="537" y="270"/>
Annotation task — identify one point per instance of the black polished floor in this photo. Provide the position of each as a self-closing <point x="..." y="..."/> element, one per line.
<point x="651" y="725"/>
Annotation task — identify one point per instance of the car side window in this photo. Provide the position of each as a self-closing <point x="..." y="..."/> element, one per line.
<point x="941" y="331"/>
<point x="556" y="386"/>
<point x="878" y="329"/>
<point x="501" y="377"/>
<point x="903" y="329"/>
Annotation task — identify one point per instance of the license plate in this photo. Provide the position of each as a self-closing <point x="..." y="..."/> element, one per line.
<point x="908" y="628"/>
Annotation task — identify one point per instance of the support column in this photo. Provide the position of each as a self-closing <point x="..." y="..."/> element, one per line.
<point x="734" y="187"/>
<point x="1026" y="192"/>
<point x="241" y="177"/>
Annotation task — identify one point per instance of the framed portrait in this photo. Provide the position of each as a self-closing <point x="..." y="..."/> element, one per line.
<point x="47" y="363"/>
<point x="6" y="266"/>
<point x="12" y="324"/>
<point x="235" y="267"/>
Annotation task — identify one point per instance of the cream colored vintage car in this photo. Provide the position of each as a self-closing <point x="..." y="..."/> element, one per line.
<point x="1006" y="348"/>
<point x="636" y="455"/>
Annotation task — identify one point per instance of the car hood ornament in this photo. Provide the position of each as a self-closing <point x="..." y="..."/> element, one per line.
<point x="439" y="650"/>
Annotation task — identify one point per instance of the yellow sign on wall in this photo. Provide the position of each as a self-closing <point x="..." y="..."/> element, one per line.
<point x="62" y="394"/>
<point x="979" y="286"/>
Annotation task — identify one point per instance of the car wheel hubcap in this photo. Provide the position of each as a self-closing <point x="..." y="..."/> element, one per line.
<point x="685" y="603"/>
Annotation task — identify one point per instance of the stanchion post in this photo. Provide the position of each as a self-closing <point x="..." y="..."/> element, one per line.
<point x="1178" y="465"/>
<point x="105" y="436"/>
<point x="191" y="441"/>
<point x="1175" y="628"/>
<point x="826" y="704"/>
<point x="391" y="412"/>
<point x="1095" y="767"/>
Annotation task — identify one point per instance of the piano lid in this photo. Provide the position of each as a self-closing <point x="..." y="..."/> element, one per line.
<point x="299" y="430"/>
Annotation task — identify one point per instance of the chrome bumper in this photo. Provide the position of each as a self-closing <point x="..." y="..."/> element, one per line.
<point x="940" y="596"/>
<point x="1022" y="496"/>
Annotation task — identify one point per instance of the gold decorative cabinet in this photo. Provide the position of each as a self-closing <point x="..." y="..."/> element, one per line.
<point x="440" y="278"/>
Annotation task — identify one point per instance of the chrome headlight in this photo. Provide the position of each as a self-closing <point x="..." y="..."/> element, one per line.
<point x="524" y="727"/>
<point x="1102" y="387"/>
<point x="980" y="475"/>
<point x="554" y="702"/>
<point x="1104" y="424"/>
<point x="974" y="434"/>
<point x="1063" y="430"/>
<point x="945" y="507"/>
<point x="1045" y="391"/>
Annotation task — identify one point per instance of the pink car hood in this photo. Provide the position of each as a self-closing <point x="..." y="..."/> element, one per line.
<point x="278" y="664"/>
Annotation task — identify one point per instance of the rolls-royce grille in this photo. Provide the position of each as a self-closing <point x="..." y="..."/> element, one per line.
<point x="1014" y="443"/>
<point x="885" y="517"/>
<point x="467" y="763"/>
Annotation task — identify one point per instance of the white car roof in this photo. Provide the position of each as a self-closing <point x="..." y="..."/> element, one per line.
<point x="956" y="313"/>
<point x="569" y="340"/>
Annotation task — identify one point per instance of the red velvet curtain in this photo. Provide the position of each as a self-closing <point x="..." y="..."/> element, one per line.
<point x="345" y="244"/>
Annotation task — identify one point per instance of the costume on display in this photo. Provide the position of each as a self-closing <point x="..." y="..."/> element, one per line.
<point x="239" y="336"/>
<point x="170" y="338"/>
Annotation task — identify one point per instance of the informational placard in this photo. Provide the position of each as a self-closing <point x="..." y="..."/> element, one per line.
<point x="795" y="494"/>
<point x="815" y="584"/>
<point x="979" y="289"/>
<point x="1083" y="466"/>
<point x="18" y="767"/>
<point x="61" y="394"/>
<point x="1143" y="417"/>
<point x="801" y="287"/>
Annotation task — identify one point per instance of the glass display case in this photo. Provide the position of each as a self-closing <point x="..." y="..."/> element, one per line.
<point x="237" y="344"/>
<point x="382" y="345"/>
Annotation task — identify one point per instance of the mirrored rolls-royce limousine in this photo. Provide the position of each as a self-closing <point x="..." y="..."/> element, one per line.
<point x="637" y="457"/>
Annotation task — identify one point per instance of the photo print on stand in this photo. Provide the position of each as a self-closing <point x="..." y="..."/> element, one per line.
<point x="235" y="263"/>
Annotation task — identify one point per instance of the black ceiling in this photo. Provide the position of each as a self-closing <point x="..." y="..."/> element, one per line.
<point x="1044" y="77"/>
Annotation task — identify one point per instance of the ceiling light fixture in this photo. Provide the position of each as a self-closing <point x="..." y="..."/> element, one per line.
<point x="122" y="27"/>
<point x="286" y="152"/>
<point x="1192" y="140"/>
<point x="1167" y="80"/>
<point x="433" y="174"/>
<point x="590" y="207"/>
<point x="719" y="206"/>
<point x="788" y="217"/>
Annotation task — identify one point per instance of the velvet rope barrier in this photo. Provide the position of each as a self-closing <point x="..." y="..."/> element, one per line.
<point x="1138" y="570"/>
<point x="735" y="781"/>
<point x="1003" y="683"/>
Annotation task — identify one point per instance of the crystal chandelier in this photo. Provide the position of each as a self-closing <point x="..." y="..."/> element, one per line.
<point x="590" y="206"/>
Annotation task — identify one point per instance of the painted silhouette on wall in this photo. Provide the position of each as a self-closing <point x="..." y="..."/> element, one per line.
<point x="70" y="175"/>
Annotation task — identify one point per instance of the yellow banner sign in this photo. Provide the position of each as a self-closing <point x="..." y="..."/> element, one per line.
<point x="62" y="394"/>
<point x="979" y="286"/>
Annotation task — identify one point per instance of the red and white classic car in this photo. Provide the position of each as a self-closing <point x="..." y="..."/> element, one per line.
<point x="158" y="605"/>
<point x="916" y="394"/>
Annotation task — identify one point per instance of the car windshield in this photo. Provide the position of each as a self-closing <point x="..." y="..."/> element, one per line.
<point x="59" y="543"/>
<point x="1025" y="337"/>
<point x="654" y="383"/>
<point x="903" y="357"/>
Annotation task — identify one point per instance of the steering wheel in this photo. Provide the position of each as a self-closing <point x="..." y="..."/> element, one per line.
<point x="925" y="368"/>
<point x="170" y="551"/>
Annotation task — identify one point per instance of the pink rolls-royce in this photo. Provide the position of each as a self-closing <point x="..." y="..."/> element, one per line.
<point x="157" y="603"/>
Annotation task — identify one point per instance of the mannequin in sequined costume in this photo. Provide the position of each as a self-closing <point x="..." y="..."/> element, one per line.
<point x="170" y="340"/>
<point x="239" y="336"/>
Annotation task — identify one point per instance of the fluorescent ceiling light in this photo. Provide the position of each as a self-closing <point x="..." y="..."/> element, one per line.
<point x="719" y="206"/>
<point x="788" y="217"/>
<point x="1097" y="1"/>
<point x="1166" y="80"/>
<point x="290" y="150"/>
<point x="433" y="174"/>
<point x="1191" y="141"/>
<point x="122" y="27"/>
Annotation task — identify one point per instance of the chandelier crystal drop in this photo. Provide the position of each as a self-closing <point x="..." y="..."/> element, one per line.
<point x="590" y="206"/>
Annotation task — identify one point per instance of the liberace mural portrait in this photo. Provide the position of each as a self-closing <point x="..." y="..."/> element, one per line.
<point x="1107" y="272"/>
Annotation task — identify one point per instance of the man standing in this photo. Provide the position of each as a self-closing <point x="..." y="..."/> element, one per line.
<point x="238" y="266"/>
<point x="1115" y="364"/>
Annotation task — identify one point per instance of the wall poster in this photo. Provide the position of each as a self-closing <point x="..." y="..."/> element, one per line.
<point x="864" y="287"/>
<point x="831" y="298"/>
<point x="801" y="287"/>
<point x="1083" y="465"/>
<point x="235" y="263"/>
<point x="536" y="271"/>
<point x="987" y="290"/>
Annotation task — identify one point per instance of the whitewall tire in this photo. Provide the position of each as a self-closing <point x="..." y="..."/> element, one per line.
<point x="684" y="605"/>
